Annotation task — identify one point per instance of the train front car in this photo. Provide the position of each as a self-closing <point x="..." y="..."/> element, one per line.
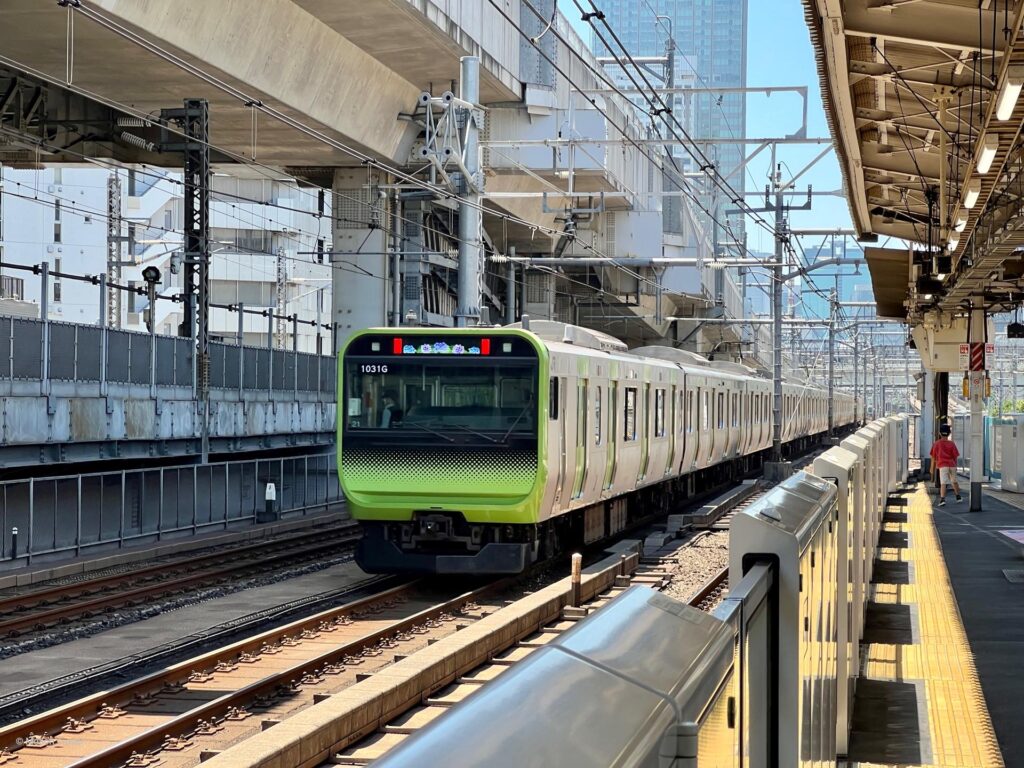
<point x="438" y="435"/>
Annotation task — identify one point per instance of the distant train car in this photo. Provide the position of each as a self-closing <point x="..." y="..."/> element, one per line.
<point x="483" y="450"/>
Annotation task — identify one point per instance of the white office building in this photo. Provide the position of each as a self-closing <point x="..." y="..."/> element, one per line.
<point x="270" y="242"/>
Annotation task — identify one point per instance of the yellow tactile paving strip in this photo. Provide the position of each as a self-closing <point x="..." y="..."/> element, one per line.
<point x="960" y="733"/>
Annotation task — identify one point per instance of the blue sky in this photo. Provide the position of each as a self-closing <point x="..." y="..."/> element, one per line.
<point x="779" y="53"/>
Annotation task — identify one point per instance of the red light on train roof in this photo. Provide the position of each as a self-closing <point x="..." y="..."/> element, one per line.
<point x="485" y="346"/>
<point x="396" y="346"/>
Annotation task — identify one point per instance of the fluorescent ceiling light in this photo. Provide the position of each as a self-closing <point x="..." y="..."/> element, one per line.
<point x="940" y="276"/>
<point x="1010" y="91"/>
<point x="927" y="297"/>
<point x="961" y="222"/>
<point x="971" y="195"/>
<point x="954" y="241"/>
<point x="989" y="147"/>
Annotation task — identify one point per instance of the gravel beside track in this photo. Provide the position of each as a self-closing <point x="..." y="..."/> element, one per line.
<point x="695" y="564"/>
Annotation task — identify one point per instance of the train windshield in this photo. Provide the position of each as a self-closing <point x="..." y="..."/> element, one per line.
<point x="492" y="400"/>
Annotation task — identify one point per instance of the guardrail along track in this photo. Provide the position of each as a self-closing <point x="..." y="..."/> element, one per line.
<point x="64" y="603"/>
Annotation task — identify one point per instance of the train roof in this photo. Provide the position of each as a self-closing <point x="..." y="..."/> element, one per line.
<point x="671" y="354"/>
<point x="564" y="333"/>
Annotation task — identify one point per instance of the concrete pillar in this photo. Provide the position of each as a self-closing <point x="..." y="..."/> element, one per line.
<point x="359" y="257"/>
<point x="470" y="216"/>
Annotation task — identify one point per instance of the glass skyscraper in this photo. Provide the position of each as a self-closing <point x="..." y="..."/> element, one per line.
<point x="711" y="52"/>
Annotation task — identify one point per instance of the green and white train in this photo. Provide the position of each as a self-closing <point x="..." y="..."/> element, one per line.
<point x="482" y="450"/>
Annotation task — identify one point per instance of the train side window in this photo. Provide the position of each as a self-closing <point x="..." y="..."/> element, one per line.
<point x="705" y="412"/>
<point x="689" y="412"/>
<point x="597" y="415"/>
<point x="721" y="410"/>
<point x="629" y="423"/>
<point x="659" y="413"/>
<point x="682" y="414"/>
<point x="553" y="398"/>
<point x="735" y="410"/>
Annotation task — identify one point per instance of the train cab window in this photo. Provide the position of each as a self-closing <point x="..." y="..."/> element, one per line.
<point x="735" y="410"/>
<point x="553" y="398"/>
<point x="721" y="410"/>
<point x="659" y="413"/>
<point x="597" y="415"/>
<point x="629" y="422"/>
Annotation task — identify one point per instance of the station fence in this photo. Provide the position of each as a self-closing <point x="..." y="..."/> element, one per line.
<point x="58" y="351"/>
<point x="107" y="510"/>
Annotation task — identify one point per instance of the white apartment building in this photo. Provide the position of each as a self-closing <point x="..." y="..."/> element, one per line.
<point x="263" y="232"/>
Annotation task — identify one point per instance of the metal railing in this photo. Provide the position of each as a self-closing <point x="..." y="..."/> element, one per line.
<point x="47" y="351"/>
<point x="106" y="510"/>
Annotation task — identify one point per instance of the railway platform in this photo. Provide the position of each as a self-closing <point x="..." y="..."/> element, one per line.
<point x="939" y="680"/>
<point x="986" y="572"/>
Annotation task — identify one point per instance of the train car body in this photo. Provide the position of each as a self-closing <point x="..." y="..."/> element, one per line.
<point x="482" y="450"/>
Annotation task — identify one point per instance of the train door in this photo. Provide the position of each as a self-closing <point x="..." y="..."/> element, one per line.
<point x="672" y="430"/>
<point x="681" y="441"/>
<point x="748" y="426"/>
<point x="581" y="437"/>
<point x="556" y="412"/>
<point x="734" y="423"/>
<point x="699" y="416"/>
<point x="612" y="432"/>
<point x="645" y="431"/>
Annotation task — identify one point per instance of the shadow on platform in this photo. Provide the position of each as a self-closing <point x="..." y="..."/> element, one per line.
<point x="886" y="725"/>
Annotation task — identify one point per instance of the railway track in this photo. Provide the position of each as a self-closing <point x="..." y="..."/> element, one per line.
<point x="239" y="689"/>
<point x="62" y="604"/>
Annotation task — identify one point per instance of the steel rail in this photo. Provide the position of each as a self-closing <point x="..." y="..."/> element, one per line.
<point x="15" y="625"/>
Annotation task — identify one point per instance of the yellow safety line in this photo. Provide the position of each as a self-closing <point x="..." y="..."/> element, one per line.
<point x="960" y="730"/>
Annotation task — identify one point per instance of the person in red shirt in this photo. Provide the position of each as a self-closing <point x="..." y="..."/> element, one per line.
<point x="944" y="455"/>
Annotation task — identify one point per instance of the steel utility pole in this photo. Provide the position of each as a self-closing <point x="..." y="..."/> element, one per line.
<point x="396" y="260"/>
<point x="831" y="362"/>
<point x="780" y="243"/>
<point x="194" y="118"/>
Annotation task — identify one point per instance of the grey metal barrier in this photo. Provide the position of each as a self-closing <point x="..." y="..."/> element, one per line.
<point x="106" y="510"/>
<point x="51" y="350"/>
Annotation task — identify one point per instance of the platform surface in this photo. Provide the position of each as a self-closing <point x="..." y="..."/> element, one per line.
<point x="926" y="674"/>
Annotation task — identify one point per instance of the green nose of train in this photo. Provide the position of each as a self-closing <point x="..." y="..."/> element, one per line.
<point x="439" y="437"/>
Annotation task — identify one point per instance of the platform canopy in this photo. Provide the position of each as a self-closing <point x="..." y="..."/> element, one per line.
<point x="922" y="100"/>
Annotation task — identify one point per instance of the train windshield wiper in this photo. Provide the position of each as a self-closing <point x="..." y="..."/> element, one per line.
<point x="526" y="408"/>
<point x="473" y="431"/>
<point x="425" y="428"/>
